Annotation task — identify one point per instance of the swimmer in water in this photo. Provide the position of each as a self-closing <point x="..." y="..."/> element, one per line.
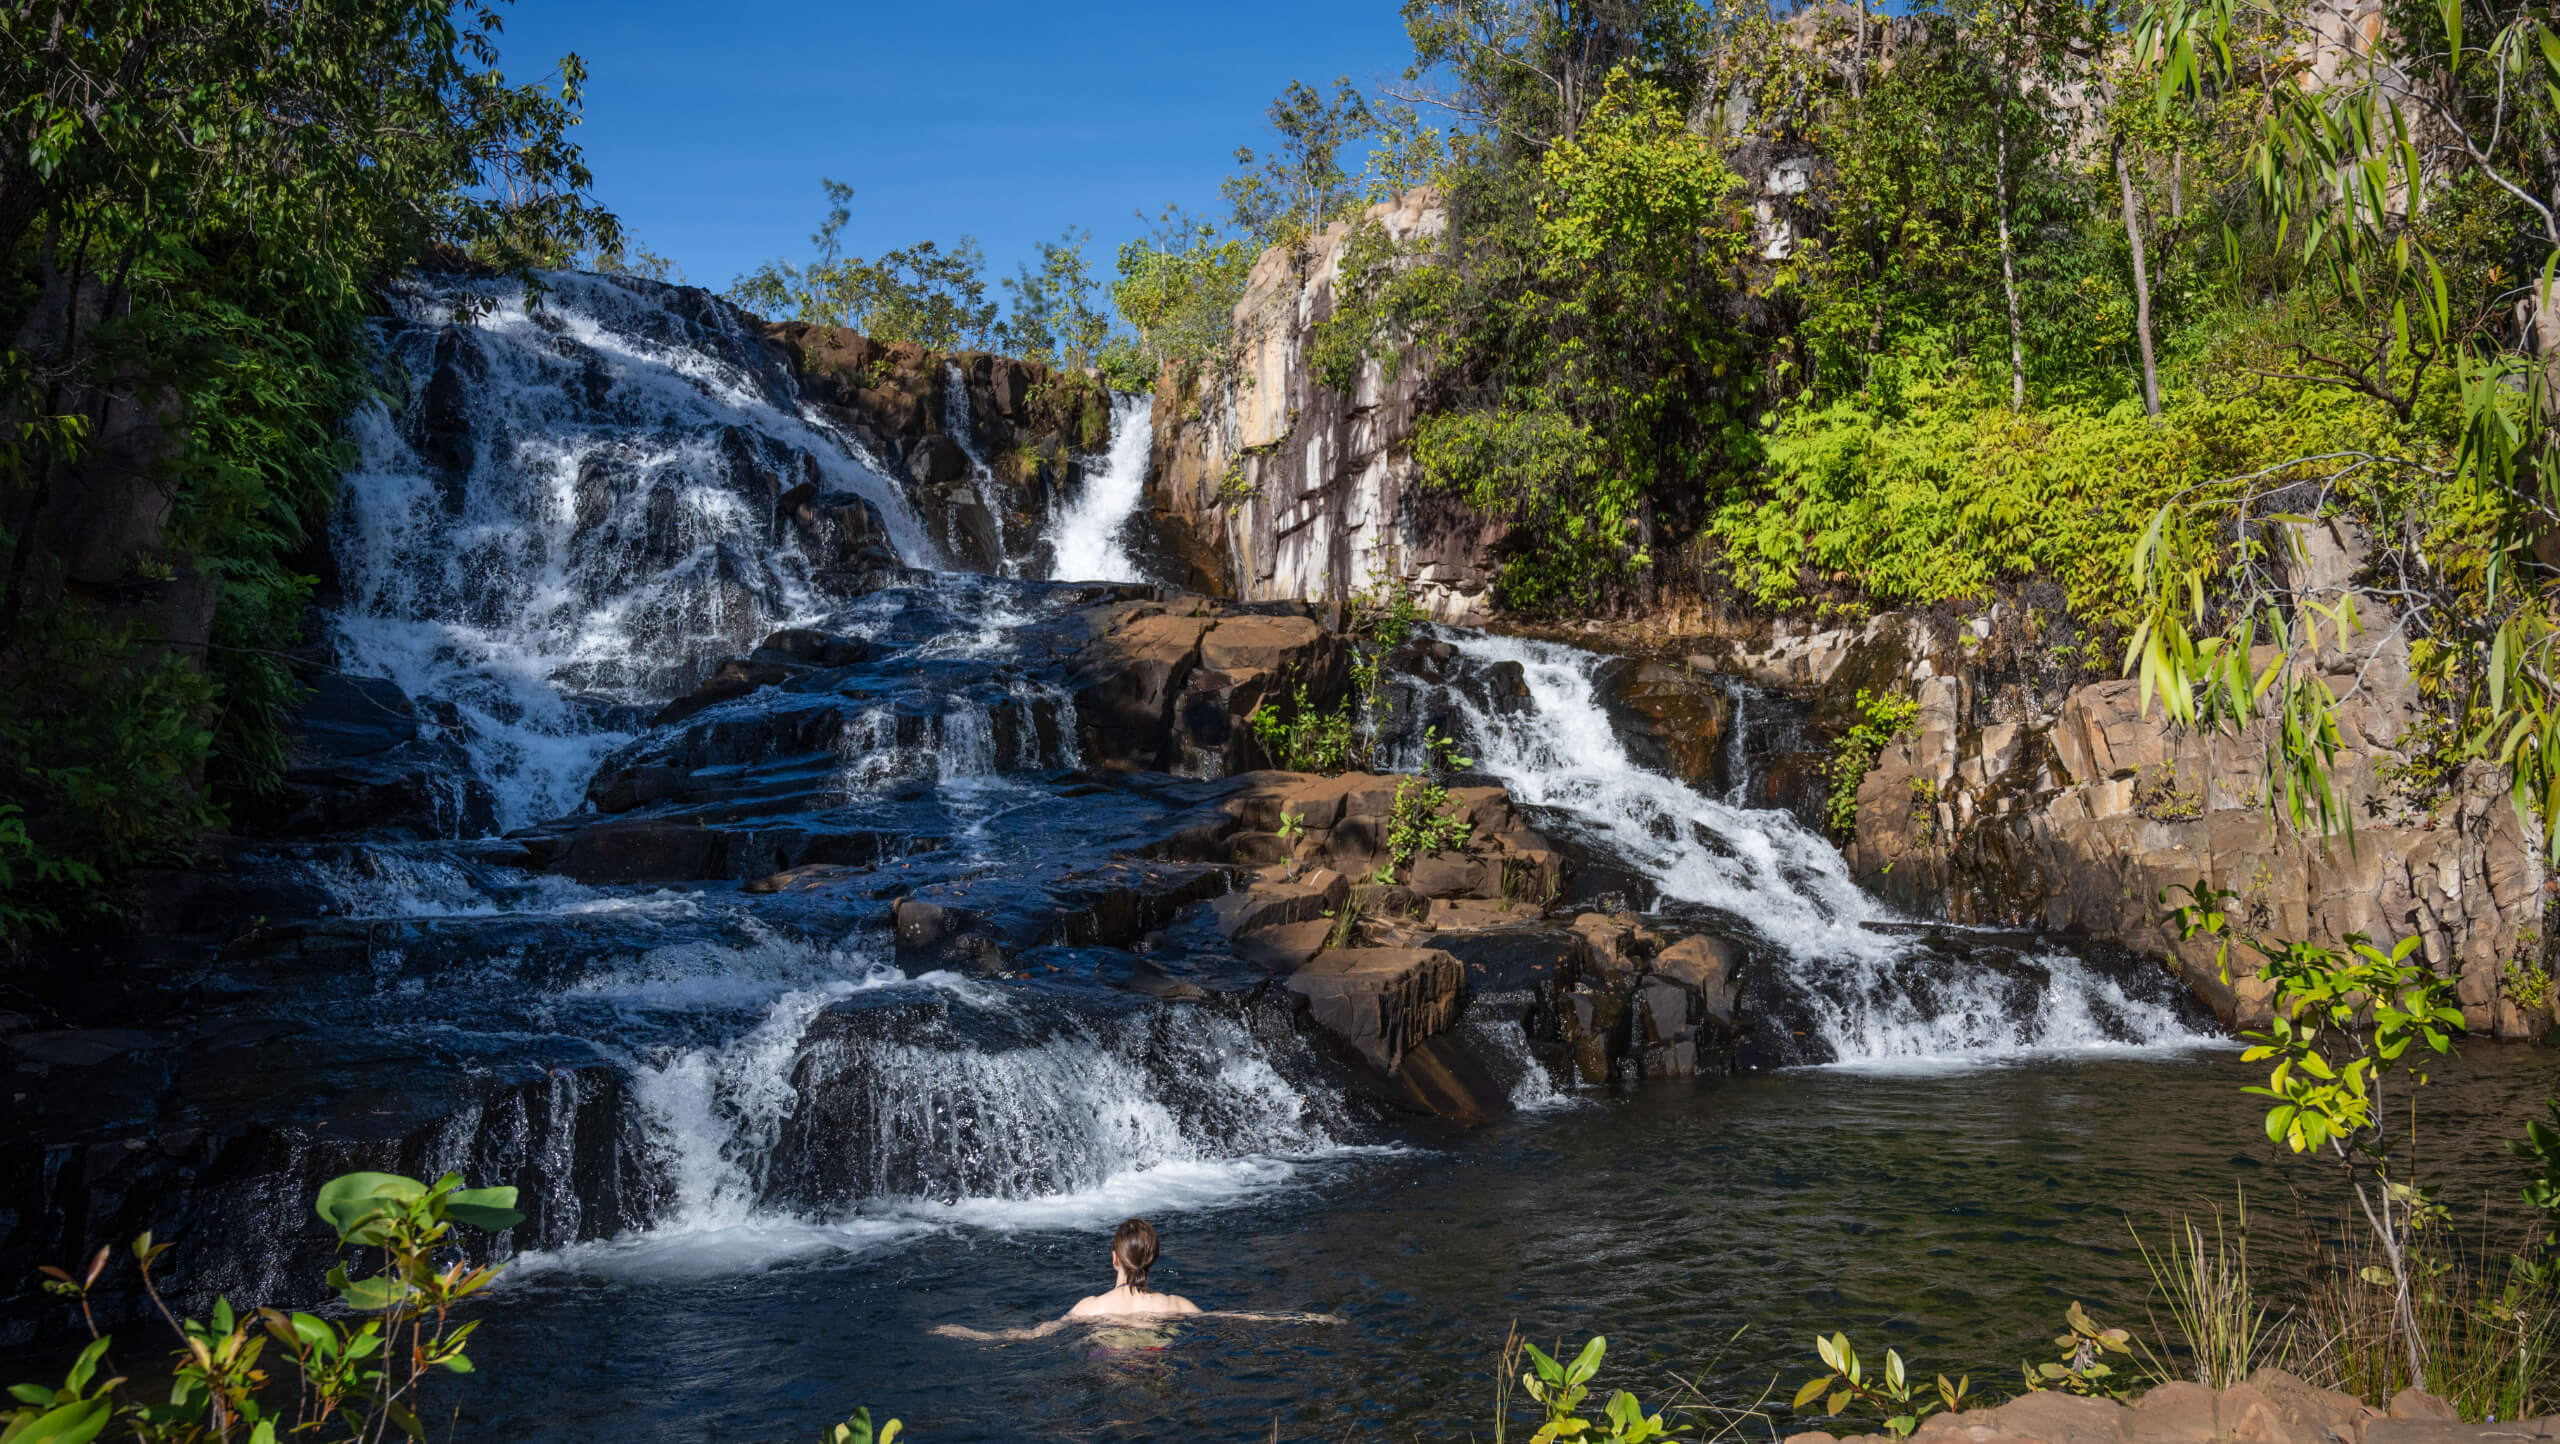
<point x="1133" y="1253"/>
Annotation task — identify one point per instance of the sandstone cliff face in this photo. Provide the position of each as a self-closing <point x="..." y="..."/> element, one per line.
<point x="1277" y="487"/>
<point x="2063" y="807"/>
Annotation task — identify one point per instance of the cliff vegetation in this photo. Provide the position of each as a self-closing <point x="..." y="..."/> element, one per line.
<point x="195" y="199"/>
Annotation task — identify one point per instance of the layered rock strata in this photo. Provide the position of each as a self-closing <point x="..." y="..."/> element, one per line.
<point x="1268" y="484"/>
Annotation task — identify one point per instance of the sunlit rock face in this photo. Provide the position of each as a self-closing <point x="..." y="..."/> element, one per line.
<point x="1279" y="486"/>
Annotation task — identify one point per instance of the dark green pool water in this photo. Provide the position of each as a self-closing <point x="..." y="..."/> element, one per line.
<point x="1950" y="1213"/>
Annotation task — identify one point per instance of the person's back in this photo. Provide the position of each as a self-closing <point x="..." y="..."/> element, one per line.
<point x="1133" y="1253"/>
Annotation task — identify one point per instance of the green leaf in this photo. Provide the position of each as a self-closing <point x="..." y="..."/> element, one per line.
<point x="85" y="1366"/>
<point x="370" y="1295"/>
<point x="1587" y="1363"/>
<point x="1811" y="1391"/>
<point x="348" y="1202"/>
<point x="492" y="1210"/>
<point x="74" y="1423"/>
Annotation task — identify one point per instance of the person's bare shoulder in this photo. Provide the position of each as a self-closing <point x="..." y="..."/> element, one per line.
<point x="1090" y="1306"/>
<point x="1177" y="1304"/>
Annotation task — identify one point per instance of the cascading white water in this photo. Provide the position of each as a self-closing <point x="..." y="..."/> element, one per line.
<point x="1088" y="541"/>
<point x="1875" y="996"/>
<point x="960" y="422"/>
<point x="1166" y="1109"/>
<point x="576" y="511"/>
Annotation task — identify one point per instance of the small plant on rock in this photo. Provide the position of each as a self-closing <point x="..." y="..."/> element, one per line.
<point x="1306" y="739"/>
<point x="1901" y="1404"/>
<point x="2527" y="986"/>
<point x="2082" y="1368"/>
<point x="1418" y="823"/>
<point x="1561" y="1388"/>
<point x="1346" y="920"/>
<point x="1882" y="717"/>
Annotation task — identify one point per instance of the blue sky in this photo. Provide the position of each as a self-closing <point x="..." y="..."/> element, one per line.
<point x="708" y="126"/>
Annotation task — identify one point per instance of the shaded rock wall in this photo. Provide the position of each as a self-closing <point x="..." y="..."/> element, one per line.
<point x="1276" y="486"/>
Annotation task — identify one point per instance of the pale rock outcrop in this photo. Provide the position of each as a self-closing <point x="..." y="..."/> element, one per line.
<point x="2271" y="1407"/>
<point x="1278" y="487"/>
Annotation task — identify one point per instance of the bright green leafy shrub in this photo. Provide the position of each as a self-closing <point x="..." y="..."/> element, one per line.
<point x="1882" y="717"/>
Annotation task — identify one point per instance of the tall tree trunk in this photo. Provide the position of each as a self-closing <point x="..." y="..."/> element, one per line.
<point x="2141" y="285"/>
<point x="2008" y="263"/>
<point x="1858" y="58"/>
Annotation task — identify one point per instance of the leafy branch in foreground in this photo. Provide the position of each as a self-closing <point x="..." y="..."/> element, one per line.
<point x="355" y="1379"/>
<point x="1560" y="1389"/>
<point x="2343" y="1029"/>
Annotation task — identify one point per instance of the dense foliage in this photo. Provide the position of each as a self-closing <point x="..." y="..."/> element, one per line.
<point x="194" y="200"/>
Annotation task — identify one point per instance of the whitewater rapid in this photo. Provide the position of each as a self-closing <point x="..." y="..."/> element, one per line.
<point x="1877" y="996"/>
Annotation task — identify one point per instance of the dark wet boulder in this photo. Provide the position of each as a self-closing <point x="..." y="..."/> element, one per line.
<point x="1449" y="1076"/>
<point x="353" y="717"/>
<point x="784" y="656"/>
<point x="363" y="761"/>
<point x="1669" y="718"/>
<point x="809" y="647"/>
<point x="849" y="538"/>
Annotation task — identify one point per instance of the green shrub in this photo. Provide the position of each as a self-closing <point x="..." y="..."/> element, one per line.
<point x="356" y="1377"/>
<point x="1419" y="823"/>
<point x="1882" y="717"/>
<point x="1949" y="492"/>
<point x="1304" y="738"/>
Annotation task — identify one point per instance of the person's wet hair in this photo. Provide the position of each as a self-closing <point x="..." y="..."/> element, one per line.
<point x="1133" y="1246"/>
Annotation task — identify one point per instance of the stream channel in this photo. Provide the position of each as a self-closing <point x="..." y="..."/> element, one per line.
<point x="762" y="1158"/>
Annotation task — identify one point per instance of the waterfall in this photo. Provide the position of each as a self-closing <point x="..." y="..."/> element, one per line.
<point x="575" y="514"/>
<point x="961" y="423"/>
<point x="869" y="1108"/>
<point x="1875" y="994"/>
<point x="1089" y="536"/>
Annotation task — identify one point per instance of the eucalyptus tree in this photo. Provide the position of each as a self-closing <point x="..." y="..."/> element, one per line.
<point x="919" y="295"/>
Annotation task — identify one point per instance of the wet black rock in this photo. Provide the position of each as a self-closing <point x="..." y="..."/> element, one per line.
<point x="364" y="761"/>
